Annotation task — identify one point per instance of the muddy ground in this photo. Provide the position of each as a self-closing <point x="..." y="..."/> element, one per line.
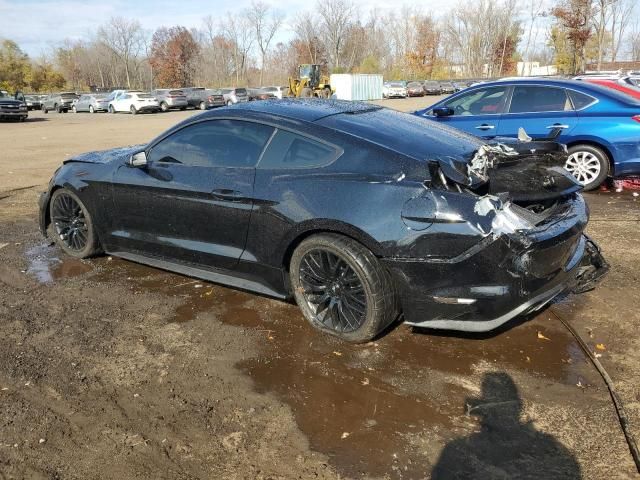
<point x="112" y="370"/>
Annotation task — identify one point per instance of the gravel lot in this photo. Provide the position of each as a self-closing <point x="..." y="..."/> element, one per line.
<point x="112" y="370"/>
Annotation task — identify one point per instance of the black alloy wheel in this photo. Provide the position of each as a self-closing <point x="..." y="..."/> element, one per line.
<point x="71" y="225"/>
<point x="342" y="288"/>
<point x="333" y="291"/>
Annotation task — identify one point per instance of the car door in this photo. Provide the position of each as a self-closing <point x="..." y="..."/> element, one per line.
<point x="477" y="112"/>
<point x="192" y="202"/>
<point x="540" y="110"/>
<point x="82" y="103"/>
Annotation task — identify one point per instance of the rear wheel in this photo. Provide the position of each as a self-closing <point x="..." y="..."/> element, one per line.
<point x="45" y="109"/>
<point x="306" y="92"/>
<point x="164" y="107"/>
<point x="203" y="106"/>
<point x="229" y="103"/>
<point x="588" y="164"/>
<point x="111" y="109"/>
<point x="71" y="225"/>
<point x="342" y="288"/>
<point x="91" y="109"/>
<point x="326" y="93"/>
<point x="74" y="109"/>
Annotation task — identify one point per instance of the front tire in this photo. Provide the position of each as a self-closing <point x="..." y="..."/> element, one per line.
<point x="91" y="109"/>
<point x="341" y="287"/>
<point x="71" y="225"/>
<point x="74" y="109"/>
<point x="133" y="110"/>
<point x="203" y="106"/>
<point x="229" y="103"/>
<point x="164" y="107"/>
<point x="588" y="164"/>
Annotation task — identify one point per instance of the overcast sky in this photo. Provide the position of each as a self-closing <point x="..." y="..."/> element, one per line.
<point x="38" y="25"/>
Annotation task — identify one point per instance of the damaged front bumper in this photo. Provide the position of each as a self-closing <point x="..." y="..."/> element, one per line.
<point x="506" y="274"/>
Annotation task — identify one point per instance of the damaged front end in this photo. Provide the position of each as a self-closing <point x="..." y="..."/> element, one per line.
<point x="495" y="236"/>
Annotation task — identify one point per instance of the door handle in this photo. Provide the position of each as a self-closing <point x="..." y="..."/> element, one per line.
<point x="227" y="195"/>
<point x="484" y="126"/>
<point x="558" y="125"/>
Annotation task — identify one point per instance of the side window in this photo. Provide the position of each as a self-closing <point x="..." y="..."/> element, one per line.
<point x="485" y="101"/>
<point x="215" y="143"/>
<point x="580" y="100"/>
<point x="529" y="99"/>
<point x="288" y="150"/>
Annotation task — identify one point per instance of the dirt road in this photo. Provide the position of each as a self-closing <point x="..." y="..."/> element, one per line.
<point x="112" y="370"/>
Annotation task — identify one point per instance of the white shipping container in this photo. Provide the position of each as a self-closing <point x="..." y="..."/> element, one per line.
<point x="357" y="86"/>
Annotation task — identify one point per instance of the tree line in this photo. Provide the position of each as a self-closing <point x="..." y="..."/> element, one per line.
<point x="484" y="38"/>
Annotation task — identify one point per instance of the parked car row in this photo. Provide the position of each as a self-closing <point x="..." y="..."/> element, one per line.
<point x="403" y="89"/>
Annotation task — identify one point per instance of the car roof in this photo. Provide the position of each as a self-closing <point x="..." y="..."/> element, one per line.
<point x="307" y="109"/>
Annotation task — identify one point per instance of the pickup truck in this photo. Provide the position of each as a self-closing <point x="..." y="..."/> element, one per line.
<point x="13" y="107"/>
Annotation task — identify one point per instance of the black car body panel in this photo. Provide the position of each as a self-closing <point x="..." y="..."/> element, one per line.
<point x="12" y="107"/>
<point x="463" y="252"/>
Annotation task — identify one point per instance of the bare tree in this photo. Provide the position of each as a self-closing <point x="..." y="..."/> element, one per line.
<point x="266" y="22"/>
<point x="307" y="31"/>
<point x="336" y="16"/>
<point x="124" y="39"/>
<point x="621" y="14"/>
<point x="535" y="11"/>
<point x="238" y="32"/>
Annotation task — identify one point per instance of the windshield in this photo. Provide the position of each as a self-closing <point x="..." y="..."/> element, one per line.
<point x="144" y="95"/>
<point x="4" y="94"/>
<point x="414" y="84"/>
<point x="396" y="84"/>
<point x="176" y="92"/>
<point x="68" y="95"/>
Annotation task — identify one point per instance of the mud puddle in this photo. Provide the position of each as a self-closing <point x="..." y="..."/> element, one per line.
<point x="47" y="264"/>
<point x="383" y="408"/>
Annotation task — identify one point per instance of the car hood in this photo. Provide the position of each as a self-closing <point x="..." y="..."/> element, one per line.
<point x="9" y="101"/>
<point x="106" y="156"/>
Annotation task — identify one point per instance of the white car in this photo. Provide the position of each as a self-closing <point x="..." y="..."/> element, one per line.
<point x="133" y="102"/>
<point x="394" y="90"/>
<point x="279" y="92"/>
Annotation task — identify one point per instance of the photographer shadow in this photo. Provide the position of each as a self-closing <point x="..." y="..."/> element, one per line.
<point x="505" y="447"/>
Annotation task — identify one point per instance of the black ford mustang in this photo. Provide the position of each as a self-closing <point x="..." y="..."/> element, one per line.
<point x="359" y="212"/>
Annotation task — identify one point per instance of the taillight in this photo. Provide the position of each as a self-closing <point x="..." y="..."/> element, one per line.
<point x="636" y="118"/>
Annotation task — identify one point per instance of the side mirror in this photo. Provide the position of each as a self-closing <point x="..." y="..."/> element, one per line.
<point x="443" y="111"/>
<point x="138" y="160"/>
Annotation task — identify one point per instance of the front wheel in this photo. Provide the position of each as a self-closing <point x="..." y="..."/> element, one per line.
<point x="203" y="106"/>
<point x="229" y="103"/>
<point x="91" y="109"/>
<point x="71" y="225"/>
<point x="342" y="288"/>
<point x="133" y="110"/>
<point x="588" y="164"/>
<point x="45" y="109"/>
<point x="164" y="107"/>
<point x="74" y="109"/>
<point x="111" y="109"/>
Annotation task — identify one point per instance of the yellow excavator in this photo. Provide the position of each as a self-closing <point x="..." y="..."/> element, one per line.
<point x="310" y="83"/>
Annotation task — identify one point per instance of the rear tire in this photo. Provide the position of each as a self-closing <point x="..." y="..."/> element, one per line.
<point x="45" y="109"/>
<point x="74" y="109"/>
<point x="91" y="109"/>
<point x="71" y="225"/>
<point x="111" y="109"/>
<point x="203" y="106"/>
<point x="306" y="93"/>
<point x="341" y="287"/>
<point x="229" y="103"/>
<point x="588" y="164"/>
<point x="164" y="107"/>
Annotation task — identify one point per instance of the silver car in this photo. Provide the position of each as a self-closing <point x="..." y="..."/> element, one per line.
<point x="169" y="98"/>
<point x="278" y="91"/>
<point x="235" y="95"/>
<point x="91" y="102"/>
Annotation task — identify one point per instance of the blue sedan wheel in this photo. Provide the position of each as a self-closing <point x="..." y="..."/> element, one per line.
<point x="588" y="164"/>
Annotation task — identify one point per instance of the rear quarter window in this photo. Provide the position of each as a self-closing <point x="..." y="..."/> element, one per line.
<point x="580" y="100"/>
<point x="289" y="150"/>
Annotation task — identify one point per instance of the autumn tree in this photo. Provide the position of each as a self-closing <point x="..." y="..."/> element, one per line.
<point x="173" y="52"/>
<point x="573" y="21"/>
<point x="15" y="66"/>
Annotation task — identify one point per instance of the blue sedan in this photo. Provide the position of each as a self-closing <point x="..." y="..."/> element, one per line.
<point x="600" y="127"/>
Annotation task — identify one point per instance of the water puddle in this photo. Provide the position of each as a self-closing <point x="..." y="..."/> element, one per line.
<point x="47" y="264"/>
<point x="381" y="409"/>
